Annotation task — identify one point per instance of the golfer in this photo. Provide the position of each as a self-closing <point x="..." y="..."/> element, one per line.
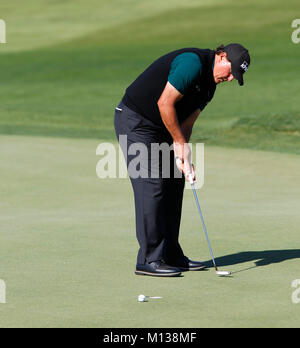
<point x="161" y="106"/>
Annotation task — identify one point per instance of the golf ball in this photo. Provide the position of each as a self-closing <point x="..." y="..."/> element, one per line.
<point x="142" y="298"/>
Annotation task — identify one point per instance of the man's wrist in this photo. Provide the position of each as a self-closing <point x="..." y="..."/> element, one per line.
<point x="179" y="141"/>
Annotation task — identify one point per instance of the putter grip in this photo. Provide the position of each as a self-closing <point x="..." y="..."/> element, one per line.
<point x="190" y="177"/>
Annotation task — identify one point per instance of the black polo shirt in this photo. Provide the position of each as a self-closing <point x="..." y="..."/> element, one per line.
<point x="198" y="88"/>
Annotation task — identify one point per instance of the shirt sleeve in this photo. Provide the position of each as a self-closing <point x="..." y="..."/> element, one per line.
<point x="185" y="69"/>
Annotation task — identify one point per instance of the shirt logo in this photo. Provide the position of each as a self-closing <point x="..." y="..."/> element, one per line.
<point x="244" y="66"/>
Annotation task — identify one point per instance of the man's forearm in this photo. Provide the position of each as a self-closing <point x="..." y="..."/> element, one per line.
<point x="187" y="132"/>
<point x="170" y="120"/>
<point x="187" y="125"/>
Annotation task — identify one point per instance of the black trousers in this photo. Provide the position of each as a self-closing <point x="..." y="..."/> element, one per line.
<point x="158" y="200"/>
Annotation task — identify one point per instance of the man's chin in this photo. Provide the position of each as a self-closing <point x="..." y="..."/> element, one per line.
<point x="220" y="81"/>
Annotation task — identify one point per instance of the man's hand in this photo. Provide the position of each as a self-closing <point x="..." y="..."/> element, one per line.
<point x="182" y="154"/>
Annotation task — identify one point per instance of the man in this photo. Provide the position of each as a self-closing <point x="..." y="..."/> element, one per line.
<point x="161" y="106"/>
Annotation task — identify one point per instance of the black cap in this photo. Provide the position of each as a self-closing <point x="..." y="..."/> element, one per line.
<point x="240" y="60"/>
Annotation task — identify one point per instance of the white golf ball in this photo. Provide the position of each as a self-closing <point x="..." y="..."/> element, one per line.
<point x="142" y="298"/>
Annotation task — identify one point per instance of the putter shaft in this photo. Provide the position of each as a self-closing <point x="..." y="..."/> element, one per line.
<point x="203" y="223"/>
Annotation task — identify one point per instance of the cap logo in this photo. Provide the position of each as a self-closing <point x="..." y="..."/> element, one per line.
<point x="244" y="66"/>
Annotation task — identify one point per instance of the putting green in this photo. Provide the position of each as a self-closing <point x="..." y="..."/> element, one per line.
<point x="68" y="246"/>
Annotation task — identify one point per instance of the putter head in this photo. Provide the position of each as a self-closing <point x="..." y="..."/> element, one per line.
<point x="223" y="273"/>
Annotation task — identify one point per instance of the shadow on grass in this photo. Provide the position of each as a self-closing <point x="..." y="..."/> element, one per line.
<point x="261" y="258"/>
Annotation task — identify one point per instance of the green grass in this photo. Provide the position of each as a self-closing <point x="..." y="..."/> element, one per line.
<point x="68" y="258"/>
<point x="64" y="68"/>
<point x="272" y="132"/>
<point x="71" y="87"/>
<point x="41" y="23"/>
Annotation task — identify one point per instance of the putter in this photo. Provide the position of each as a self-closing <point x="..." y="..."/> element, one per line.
<point x="219" y="273"/>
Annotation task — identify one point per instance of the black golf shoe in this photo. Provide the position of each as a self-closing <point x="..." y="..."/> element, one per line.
<point x="157" y="269"/>
<point x="187" y="265"/>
